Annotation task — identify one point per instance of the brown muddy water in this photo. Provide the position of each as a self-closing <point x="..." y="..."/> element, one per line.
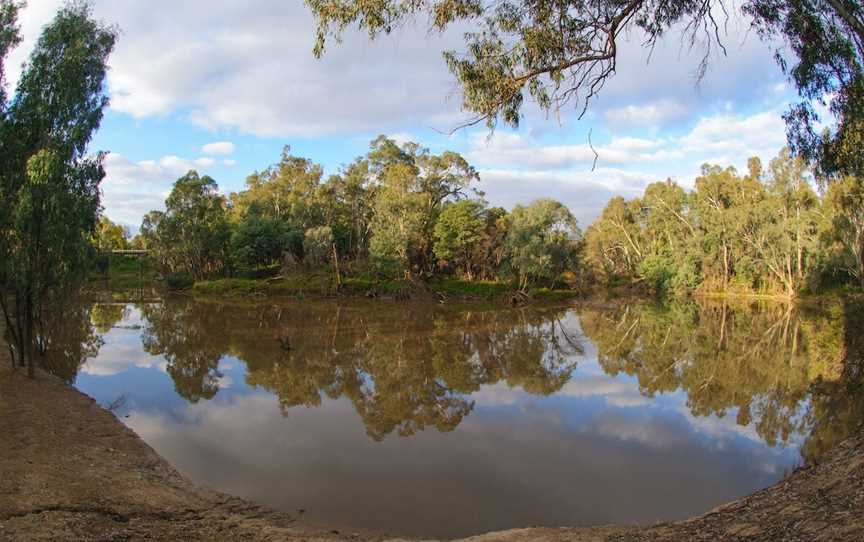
<point x="441" y="421"/>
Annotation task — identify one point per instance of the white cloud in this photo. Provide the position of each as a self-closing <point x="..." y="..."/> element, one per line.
<point x="730" y="138"/>
<point x="653" y="114"/>
<point x="218" y="147"/>
<point x="131" y="189"/>
<point x="514" y="149"/>
<point x="583" y="191"/>
<point x="249" y="67"/>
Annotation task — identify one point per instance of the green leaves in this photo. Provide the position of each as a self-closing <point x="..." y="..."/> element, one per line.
<point x="49" y="186"/>
<point x="193" y="233"/>
<point x="542" y="241"/>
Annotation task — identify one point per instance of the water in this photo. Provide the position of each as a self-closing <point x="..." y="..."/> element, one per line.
<point x="442" y="421"/>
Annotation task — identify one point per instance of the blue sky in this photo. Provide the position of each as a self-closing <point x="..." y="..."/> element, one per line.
<point x="186" y="75"/>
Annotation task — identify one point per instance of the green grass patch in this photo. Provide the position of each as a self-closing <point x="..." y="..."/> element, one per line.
<point x="316" y="283"/>
<point x="294" y="284"/>
<point x="547" y="294"/>
<point x="461" y="288"/>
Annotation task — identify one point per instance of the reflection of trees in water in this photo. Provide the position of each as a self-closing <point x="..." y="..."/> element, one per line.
<point x="407" y="367"/>
<point x="404" y="368"/>
<point x="68" y="339"/>
<point x="837" y="404"/>
<point x="759" y="359"/>
<point x="191" y="340"/>
<point x="105" y="316"/>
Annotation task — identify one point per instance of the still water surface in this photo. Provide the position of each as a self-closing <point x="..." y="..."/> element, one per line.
<point x="442" y="421"/>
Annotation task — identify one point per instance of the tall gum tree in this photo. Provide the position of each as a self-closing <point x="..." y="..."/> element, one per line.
<point x="49" y="184"/>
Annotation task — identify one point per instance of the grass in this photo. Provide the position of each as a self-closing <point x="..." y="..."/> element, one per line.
<point x="124" y="276"/>
<point x="485" y="289"/>
<point x="294" y="284"/>
<point x="322" y="283"/>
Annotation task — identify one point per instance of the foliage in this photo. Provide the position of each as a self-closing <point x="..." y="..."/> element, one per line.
<point x="110" y="236"/>
<point x="399" y="216"/>
<point x="557" y="52"/>
<point x="318" y="245"/>
<point x="258" y="241"/>
<point x="761" y="232"/>
<point x="827" y="39"/>
<point x="542" y="241"/>
<point x="843" y="230"/>
<point x="192" y="235"/>
<point x="179" y="281"/>
<point x="49" y="185"/>
<point x="458" y="229"/>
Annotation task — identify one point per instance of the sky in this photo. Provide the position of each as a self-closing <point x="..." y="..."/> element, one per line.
<point x="222" y="87"/>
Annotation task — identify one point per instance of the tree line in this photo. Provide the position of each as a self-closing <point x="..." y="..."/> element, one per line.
<point x="402" y="212"/>
<point x="397" y="212"/>
<point x="766" y="231"/>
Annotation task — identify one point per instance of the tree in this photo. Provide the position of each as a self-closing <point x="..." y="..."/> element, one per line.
<point x="412" y="185"/>
<point x="110" y="236"/>
<point x="318" y="245"/>
<point x="192" y="235"/>
<point x="844" y="210"/>
<point x="561" y="51"/>
<point x="613" y="242"/>
<point x="258" y="241"/>
<point x="458" y="229"/>
<point x="49" y="185"/>
<point x="788" y="236"/>
<point x="542" y="240"/>
<point x="285" y="191"/>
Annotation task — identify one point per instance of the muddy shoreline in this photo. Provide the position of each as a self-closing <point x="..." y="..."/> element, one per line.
<point x="73" y="471"/>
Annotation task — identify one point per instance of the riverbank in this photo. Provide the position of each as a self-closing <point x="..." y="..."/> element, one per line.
<point x="73" y="471"/>
<point x="126" y="279"/>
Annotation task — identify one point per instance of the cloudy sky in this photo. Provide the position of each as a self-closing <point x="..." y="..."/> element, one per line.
<point x="221" y="87"/>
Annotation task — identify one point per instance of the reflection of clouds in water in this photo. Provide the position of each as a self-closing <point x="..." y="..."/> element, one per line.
<point x="595" y="450"/>
<point x="617" y="392"/>
<point x="122" y="351"/>
<point x="623" y="393"/>
<point x="528" y="467"/>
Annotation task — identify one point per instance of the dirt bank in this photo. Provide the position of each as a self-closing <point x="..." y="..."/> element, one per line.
<point x="72" y="471"/>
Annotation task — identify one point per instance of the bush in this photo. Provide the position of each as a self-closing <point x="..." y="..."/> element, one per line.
<point x="179" y="281"/>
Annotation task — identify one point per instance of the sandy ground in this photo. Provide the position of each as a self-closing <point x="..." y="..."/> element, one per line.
<point x="70" y="470"/>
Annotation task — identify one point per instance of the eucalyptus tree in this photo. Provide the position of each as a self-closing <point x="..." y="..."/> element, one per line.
<point x="556" y="52"/>
<point x="460" y="226"/>
<point x="192" y="235"/>
<point x="543" y="241"/>
<point x="49" y="184"/>
<point x="613" y="243"/>
<point x="788" y="248"/>
<point x="412" y="186"/>
<point x="110" y="236"/>
<point x="843" y="232"/>
<point x="285" y="191"/>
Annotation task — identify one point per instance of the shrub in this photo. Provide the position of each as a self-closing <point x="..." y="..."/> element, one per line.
<point x="179" y="281"/>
